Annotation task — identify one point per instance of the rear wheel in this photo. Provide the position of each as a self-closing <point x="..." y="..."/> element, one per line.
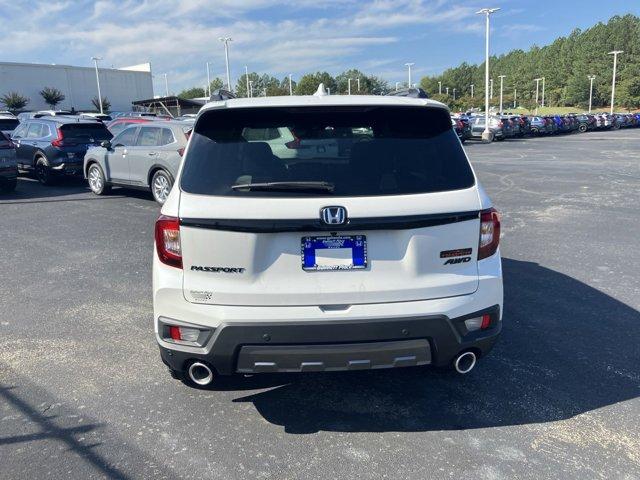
<point x="582" y="127"/>
<point x="43" y="171"/>
<point x="161" y="184"/>
<point x="97" y="181"/>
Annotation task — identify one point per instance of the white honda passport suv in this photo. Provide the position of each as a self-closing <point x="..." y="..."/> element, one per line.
<point x="369" y="244"/>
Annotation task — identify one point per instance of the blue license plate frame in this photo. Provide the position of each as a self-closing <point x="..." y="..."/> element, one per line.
<point x="357" y="244"/>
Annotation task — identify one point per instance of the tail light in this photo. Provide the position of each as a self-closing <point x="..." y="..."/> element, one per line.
<point x="489" y="233"/>
<point x="60" y="142"/>
<point x="168" y="241"/>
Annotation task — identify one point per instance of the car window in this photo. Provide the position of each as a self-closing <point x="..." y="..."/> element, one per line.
<point x="406" y="150"/>
<point x="86" y="132"/>
<point x="20" y="131"/>
<point x="35" y="130"/>
<point x="126" y="138"/>
<point x="149" y="137"/>
<point x="167" y="137"/>
<point x="8" y="123"/>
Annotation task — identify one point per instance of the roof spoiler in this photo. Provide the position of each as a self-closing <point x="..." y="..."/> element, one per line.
<point x="221" y="94"/>
<point x="409" y="92"/>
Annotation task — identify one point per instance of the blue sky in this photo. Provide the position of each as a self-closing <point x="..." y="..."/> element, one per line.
<point x="279" y="37"/>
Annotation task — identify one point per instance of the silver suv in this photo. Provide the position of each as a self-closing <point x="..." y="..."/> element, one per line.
<point x="145" y="156"/>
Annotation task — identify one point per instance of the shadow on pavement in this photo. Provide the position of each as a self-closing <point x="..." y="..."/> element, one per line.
<point x="566" y="349"/>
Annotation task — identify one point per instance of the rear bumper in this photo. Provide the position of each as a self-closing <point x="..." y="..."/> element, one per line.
<point x="255" y="347"/>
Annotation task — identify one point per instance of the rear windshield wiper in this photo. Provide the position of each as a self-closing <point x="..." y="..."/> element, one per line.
<point x="297" y="186"/>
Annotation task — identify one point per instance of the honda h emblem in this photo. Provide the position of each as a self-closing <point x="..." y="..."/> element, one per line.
<point x="334" y="215"/>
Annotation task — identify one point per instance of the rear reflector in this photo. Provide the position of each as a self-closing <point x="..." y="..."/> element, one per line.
<point x="489" y="233"/>
<point x="478" y="323"/>
<point x="184" y="334"/>
<point x="168" y="241"/>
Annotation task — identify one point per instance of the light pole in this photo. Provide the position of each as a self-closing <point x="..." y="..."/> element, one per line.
<point x="358" y="80"/>
<point x="409" y="65"/>
<point x="447" y="91"/>
<point x="591" y="79"/>
<point x="250" y="88"/>
<point x="95" y="61"/>
<point x="613" y="81"/>
<point x="226" y="41"/>
<point x="290" y="86"/>
<point x="501" y="77"/>
<point x="472" y="90"/>
<point x="397" y="83"/>
<point x="348" y="86"/>
<point x="454" y="94"/>
<point x="439" y="88"/>
<point x="542" y="92"/>
<point x="491" y="89"/>
<point x="515" y="91"/>
<point x="486" y="135"/>
<point x="246" y="78"/>
<point x="208" y="81"/>
<point x="537" y="85"/>
<point x="166" y="85"/>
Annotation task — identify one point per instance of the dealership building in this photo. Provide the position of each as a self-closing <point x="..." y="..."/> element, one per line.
<point x="121" y="86"/>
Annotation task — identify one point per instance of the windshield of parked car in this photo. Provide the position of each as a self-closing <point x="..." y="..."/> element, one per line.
<point x="357" y="151"/>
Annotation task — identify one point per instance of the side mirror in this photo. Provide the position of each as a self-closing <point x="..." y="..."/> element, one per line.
<point x="106" y="144"/>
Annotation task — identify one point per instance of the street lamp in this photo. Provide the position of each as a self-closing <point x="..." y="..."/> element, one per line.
<point x="486" y="134"/>
<point x="226" y="41"/>
<point x="250" y="88"/>
<point x="246" y="78"/>
<point x="491" y="89"/>
<point x="348" y="86"/>
<point x="472" y="90"/>
<point x="515" y="92"/>
<point x="208" y="82"/>
<point x="447" y="91"/>
<point x="537" y="80"/>
<point x="501" y="77"/>
<point x="439" y="88"/>
<point x="95" y="61"/>
<point x="166" y="85"/>
<point x="290" y="86"/>
<point x="591" y="79"/>
<point x="409" y="65"/>
<point x="397" y="83"/>
<point x="613" y="81"/>
<point x="542" y="92"/>
<point x="358" y="80"/>
<point x="454" y="94"/>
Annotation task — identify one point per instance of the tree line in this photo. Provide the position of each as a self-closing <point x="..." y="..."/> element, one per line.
<point x="565" y="64"/>
<point x="15" y="102"/>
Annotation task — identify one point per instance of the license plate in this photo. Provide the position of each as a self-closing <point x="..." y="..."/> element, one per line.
<point x="334" y="253"/>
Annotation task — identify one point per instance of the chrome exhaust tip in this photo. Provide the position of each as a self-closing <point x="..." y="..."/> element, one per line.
<point x="200" y="374"/>
<point x="465" y="362"/>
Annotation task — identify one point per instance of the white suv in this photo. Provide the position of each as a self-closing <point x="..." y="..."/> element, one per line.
<point x="383" y="254"/>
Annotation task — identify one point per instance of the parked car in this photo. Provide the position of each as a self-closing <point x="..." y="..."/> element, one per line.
<point x="368" y="260"/>
<point x="462" y="127"/>
<point x="54" y="146"/>
<point x="586" y="122"/>
<point x="51" y="113"/>
<point x="8" y="122"/>
<point x="8" y="164"/>
<point x="496" y="126"/>
<point x="143" y="155"/>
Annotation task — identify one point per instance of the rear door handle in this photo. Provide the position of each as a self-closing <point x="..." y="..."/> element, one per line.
<point x="152" y="154"/>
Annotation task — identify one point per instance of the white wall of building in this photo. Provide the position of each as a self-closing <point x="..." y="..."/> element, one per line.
<point x="78" y="84"/>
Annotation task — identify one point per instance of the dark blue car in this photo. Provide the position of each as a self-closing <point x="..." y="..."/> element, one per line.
<point x="54" y="146"/>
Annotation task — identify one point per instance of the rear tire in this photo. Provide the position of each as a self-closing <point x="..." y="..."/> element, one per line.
<point x="161" y="184"/>
<point x="96" y="179"/>
<point x="582" y="128"/>
<point x="43" y="171"/>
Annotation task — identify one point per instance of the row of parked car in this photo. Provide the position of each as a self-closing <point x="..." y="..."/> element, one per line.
<point x="471" y="125"/>
<point x="135" y="149"/>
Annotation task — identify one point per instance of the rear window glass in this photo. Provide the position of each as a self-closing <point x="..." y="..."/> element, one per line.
<point x="85" y="132"/>
<point x="9" y="123"/>
<point x="358" y="151"/>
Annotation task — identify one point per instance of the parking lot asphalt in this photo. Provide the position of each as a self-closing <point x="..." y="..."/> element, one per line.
<point x="83" y="393"/>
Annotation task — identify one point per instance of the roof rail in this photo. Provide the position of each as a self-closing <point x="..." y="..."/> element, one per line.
<point x="409" y="92"/>
<point x="221" y="94"/>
